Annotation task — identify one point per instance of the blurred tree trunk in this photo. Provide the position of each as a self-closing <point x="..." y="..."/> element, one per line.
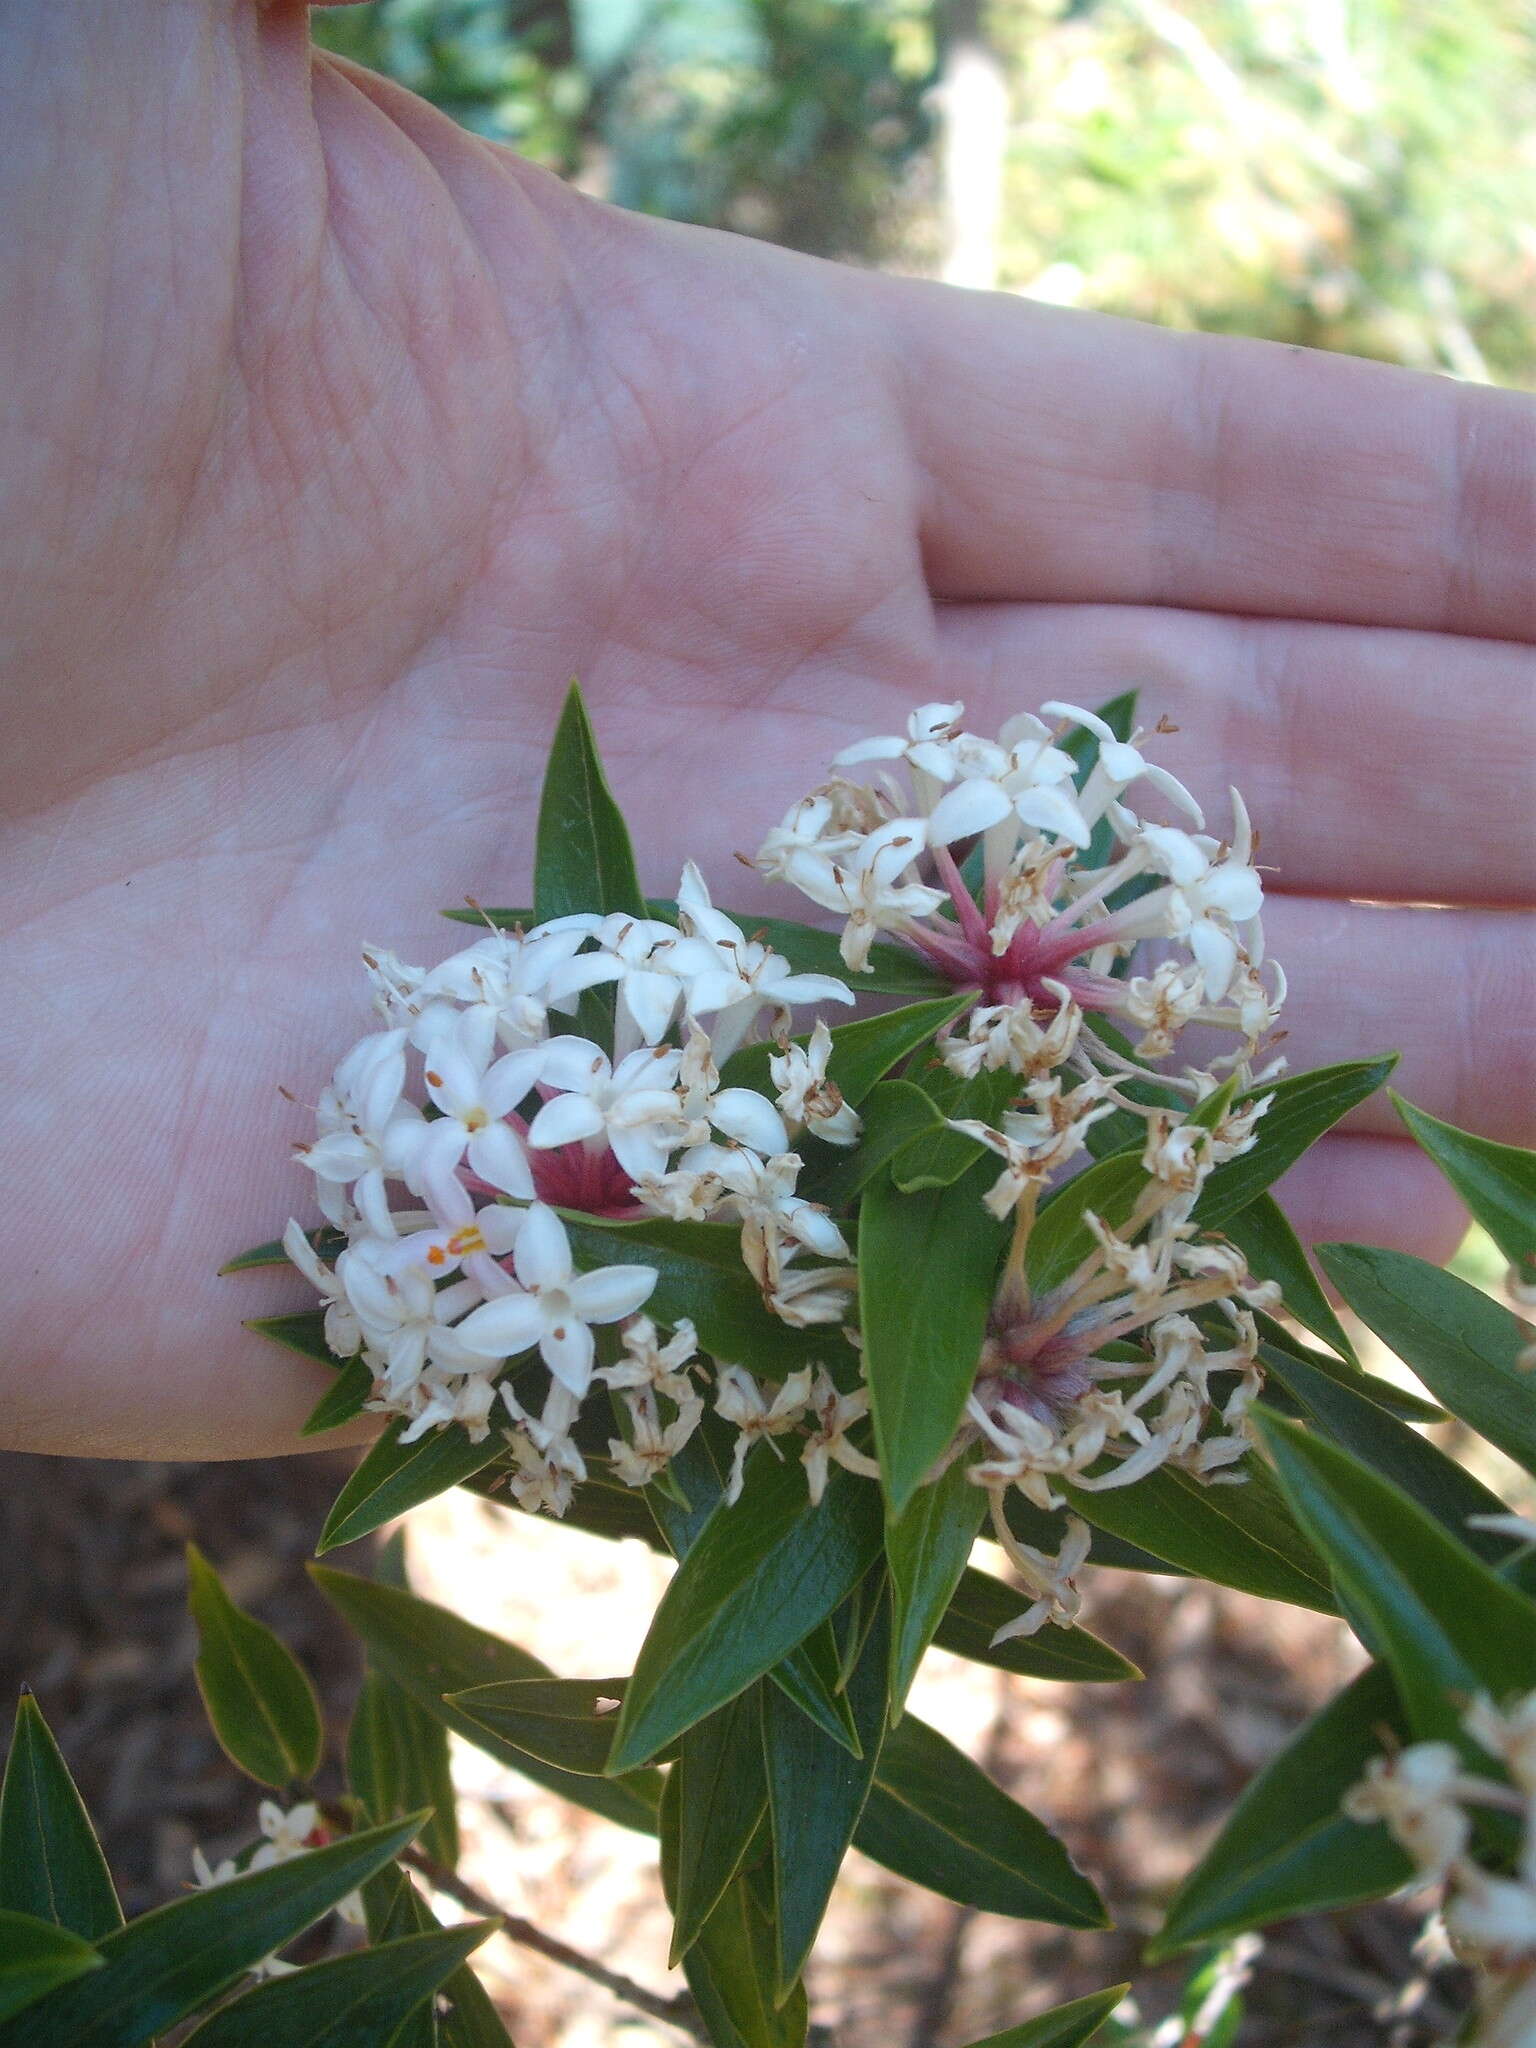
<point x="972" y="97"/>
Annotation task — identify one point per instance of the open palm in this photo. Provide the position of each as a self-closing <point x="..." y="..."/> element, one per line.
<point x="335" y="441"/>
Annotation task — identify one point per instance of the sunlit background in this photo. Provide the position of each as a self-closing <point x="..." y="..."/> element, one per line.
<point x="1349" y="174"/>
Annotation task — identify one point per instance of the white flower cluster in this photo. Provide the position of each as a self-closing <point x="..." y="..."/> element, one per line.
<point x="1425" y="1794"/>
<point x="1061" y="887"/>
<point x="1042" y="931"/>
<point x="286" y="1833"/>
<point x="448" y="1139"/>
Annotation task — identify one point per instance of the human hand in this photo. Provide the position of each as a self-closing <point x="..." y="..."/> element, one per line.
<point x="337" y="440"/>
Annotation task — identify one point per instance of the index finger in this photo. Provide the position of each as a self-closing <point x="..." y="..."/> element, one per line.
<point x="1073" y="456"/>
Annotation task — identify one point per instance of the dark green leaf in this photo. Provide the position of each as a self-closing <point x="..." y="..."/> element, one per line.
<point x="1385" y="1393"/>
<point x="343" y="1400"/>
<point x="51" y="1865"/>
<point x="938" y="1819"/>
<point x="431" y="1653"/>
<point x="461" y="2015"/>
<point x="926" y="1549"/>
<point x="982" y="1605"/>
<point x="354" y="2001"/>
<point x="863" y="1050"/>
<point x="1445" y="1623"/>
<point x="1263" y="1234"/>
<point x="1463" y="1346"/>
<point x="582" y="856"/>
<point x="810" y="1676"/>
<point x="558" y="1720"/>
<point x="702" y="1278"/>
<point x="720" y="1801"/>
<point x="261" y="1706"/>
<point x="163" y="1966"/>
<point x="1287" y="1847"/>
<point x="731" y="1967"/>
<point x="1441" y="1487"/>
<point x="1497" y="1182"/>
<point x="1064" y="2026"/>
<point x="36" y="1956"/>
<point x="1242" y="1536"/>
<point x="927" y="1271"/>
<point x="394" y="1478"/>
<point x="270" y="1253"/>
<point x="303" y="1332"/>
<point x="939" y="1159"/>
<point x="758" y="1579"/>
<point x="1304" y="1106"/>
<point x="397" y="1763"/>
<point x="816" y="1792"/>
<point x="895" y="1113"/>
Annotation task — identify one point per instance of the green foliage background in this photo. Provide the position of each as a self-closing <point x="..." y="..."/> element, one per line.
<point x="1350" y="174"/>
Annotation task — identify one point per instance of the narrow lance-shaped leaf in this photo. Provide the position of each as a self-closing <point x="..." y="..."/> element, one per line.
<point x="1263" y="1234"/>
<point x="982" y="1605"/>
<point x="1463" y="1346"/>
<point x="355" y="2001"/>
<point x="431" y="1652"/>
<point x="1287" y="1847"/>
<point x="461" y="2014"/>
<point x="1303" y="1107"/>
<point x="816" y="1793"/>
<point x="1064" y="2026"/>
<point x="582" y="859"/>
<point x="1441" y="1487"/>
<point x="759" y="1578"/>
<point x="567" y="1722"/>
<point x="937" y="1818"/>
<point x="927" y="1548"/>
<point x="1445" y="1623"/>
<point x="721" y="1798"/>
<point x="343" y="1401"/>
<point x="165" y="1965"/>
<point x="262" y="1707"/>
<point x="395" y="1477"/>
<point x="36" y="1957"/>
<point x="927" y="1271"/>
<point x="397" y="1763"/>
<point x="51" y="1865"/>
<point x="1497" y="1182"/>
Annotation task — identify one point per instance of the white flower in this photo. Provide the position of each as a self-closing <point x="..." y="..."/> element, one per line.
<point x="1206" y="896"/>
<point x="547" y="1466"/>
<point x="403" y="1316"/>
<point x="514" y="977"/>
<point x="459" y="1235"/>
<point x="650" y="1364"/>
<point x="865" y="884"/>
<point x="365" y="1130"/>
<point x="761" y="1192"/>
<point x="559" y="1306"/>
<point x="638" y="954"/>
<point x="633" y="1108"/>
<point x="652" y="1444"/>
<point x="435" y="1402"/>
<point x="342" y="1334"/>
<point x="1049" y="1579"/>
<point x="805" y="1093"/>
<point x="834" y="1414"/>
<point x="735" y="977"/>
<point x="1119" y="764"/>
<point x="1023" y="777"/>
<point x="1415" y="1794"/>
<point x="475" y="1094"/>
<point x="740" y="1400"/>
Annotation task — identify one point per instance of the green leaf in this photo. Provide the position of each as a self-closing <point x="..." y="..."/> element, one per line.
<point x="1064" y="2026"/>
<point x="270" y="1253"/>
<point x="816" y="1792"/>
<point x="1242" y="1536"/>
<point x="51" y="1865"/>
<point x="1445" y="1623"/>
<point x="461" y="2015"/>
<point x="394" y="1478"/>
<point x="810" y="1676"/>
<point x="1497" y="1182"/>
<point x="36" y="1956"/>
<point x="260" y="1704"/>
<point x="355" y="2001"/>
<point x="938" y="1159"/>
<point x="927" y="1548"/>
<point x="938" y="1819"/>
<point x="430" y="1653"/>
<point x="895" y="1113"/>
<point x="397" y="1763"/>
<point x="1462" y="1345"/>
<point x="1287" y="1847"/>
<point x="1263" y="1234"/>
<point x="582" y="856"/>
<point x="1304" y="1106"/>
<point x="163" y="1966"/>
<point x="343" y="1401"/>
<point x="758" y="1579"/>
<point x="1385" y="1393"/>
<point x="558" y="1720"/>
<point x="1045" y="1531"/>
<point x="863" y="1050"/>
<point x="702" y="1278"/>
<point x="303" y="1332"/>
<point x="982" y="1605"/>
<point x="927" y="1272"/>
<point x="1441" y="1487"/>
<point x="721" y="1799"/>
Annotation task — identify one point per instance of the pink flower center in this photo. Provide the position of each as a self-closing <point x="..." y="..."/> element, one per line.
<point x="572" y="1177"/>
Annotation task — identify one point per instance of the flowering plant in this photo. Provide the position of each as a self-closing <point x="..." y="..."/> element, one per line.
<point x="619" y="1227"/>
